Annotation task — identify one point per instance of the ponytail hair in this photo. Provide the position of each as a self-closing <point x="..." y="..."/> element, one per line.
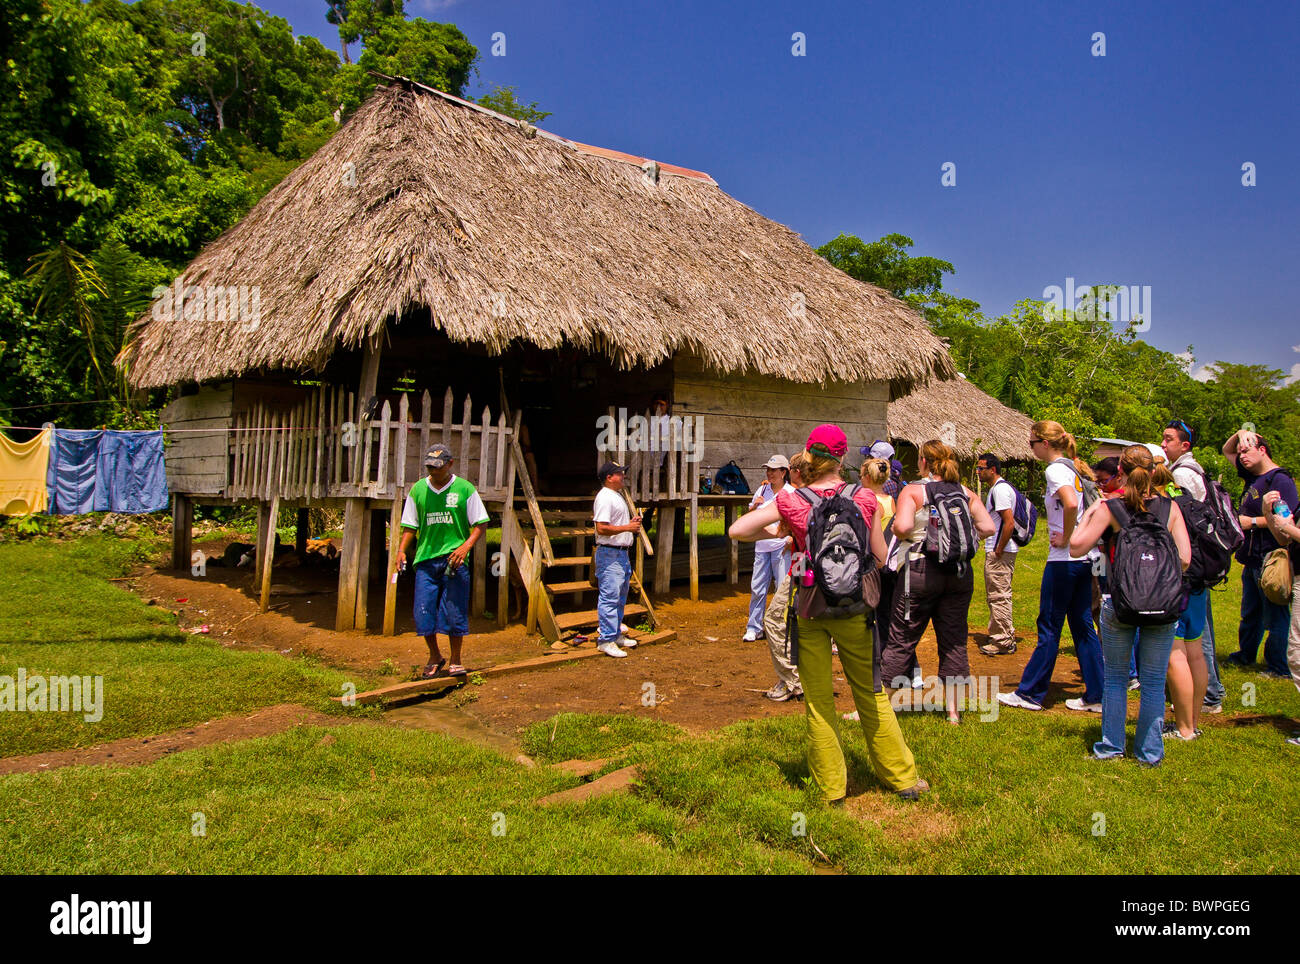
<point x="1161" y="477"/>
<point x="875" y="471"/>
<point x="941" y="460"/>
<point x="1139" y="467"/>
<point x="1059" y="440"/>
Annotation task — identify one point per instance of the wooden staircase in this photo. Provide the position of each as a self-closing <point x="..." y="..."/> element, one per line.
<point x="561" y="600"/>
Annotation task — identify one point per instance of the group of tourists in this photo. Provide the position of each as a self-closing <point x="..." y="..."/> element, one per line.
<point x="861" y="569"/>
<point x="1135" y="543"/>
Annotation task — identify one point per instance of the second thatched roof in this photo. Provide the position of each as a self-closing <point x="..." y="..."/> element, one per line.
<point x="505" y="233"/>
<point x="956" y="409"/>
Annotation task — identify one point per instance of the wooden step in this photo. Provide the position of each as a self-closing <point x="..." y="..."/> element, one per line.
<point x="571" y="561"/>
<point x="556" y="588"/>
<point x="590" y="618"/>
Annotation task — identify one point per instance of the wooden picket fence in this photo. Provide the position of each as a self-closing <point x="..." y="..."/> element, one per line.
<point x="326" y="447"/>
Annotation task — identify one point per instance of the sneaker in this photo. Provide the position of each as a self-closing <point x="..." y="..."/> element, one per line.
<point x="851" y="717"/>
<point x="750" y="636"/>
<point x="914" y="792"/>
<point x="624" y="629"/>
<point x="610" y="648"/>
<point x="1236" y="659"/>
<point x="1082" y="707"/>
<point x="918" y="681"/>
<point x="1294" y="740"/>
<point x="989" y="649"/>
<point x="779" y="693"/>
<point x="1013" y="698"/>
<point x="1170" y="730"/>
<point x="1135" y="684"/>
<point x="1211" y="708"/>
<point x="627" y="642"/>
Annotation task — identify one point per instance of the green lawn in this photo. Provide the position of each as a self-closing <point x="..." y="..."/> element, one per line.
<point x="1017" y="794"/>
<point x="59" y="616"/>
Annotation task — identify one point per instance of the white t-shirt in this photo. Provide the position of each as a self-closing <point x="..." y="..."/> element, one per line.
<point x="1059" y="475"/>
<point x="1186" y="473"/>
<point x="767" y="545"/>
<point x="612" y="508"/>
<point x="1001" y="496"/>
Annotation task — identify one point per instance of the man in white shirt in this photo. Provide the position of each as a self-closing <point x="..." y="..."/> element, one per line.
<point x="999" y="556"/>
<point x="615" y="530"/>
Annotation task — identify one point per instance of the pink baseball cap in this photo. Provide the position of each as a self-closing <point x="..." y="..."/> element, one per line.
<point x="830" y="438"/>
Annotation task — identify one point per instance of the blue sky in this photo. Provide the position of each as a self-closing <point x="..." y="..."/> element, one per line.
<point x="1120" y="169"/>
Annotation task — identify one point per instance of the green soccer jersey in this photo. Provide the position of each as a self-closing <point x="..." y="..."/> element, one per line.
<point x="442" y="519"/>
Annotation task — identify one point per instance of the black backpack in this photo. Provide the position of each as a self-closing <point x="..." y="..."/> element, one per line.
<point x="1214" y="534"/>
<point x="950" y="536"/>
<point x="839" y="549"/>
<point x="730" y="480"/>
<point x="1146" y="576"/>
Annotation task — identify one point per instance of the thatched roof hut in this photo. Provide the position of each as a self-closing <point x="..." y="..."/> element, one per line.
<point x="959" y="411"/>
<point x="508" y="234"/>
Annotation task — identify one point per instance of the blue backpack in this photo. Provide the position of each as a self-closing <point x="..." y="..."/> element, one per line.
<point x="1024" y="515"/>
<point x="730" y="480"/>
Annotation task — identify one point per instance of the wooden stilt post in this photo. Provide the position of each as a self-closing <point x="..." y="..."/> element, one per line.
<point x="182" y="531"/>
<point x="508" y="528"/>
<point x="733" y="560"/>
<point x="664" y="552"/>
<point x="266" y="551"/>
<point x="535" y="589"/>
<point x="695" y="547"/>
<point x="390" y="582"/>
<point x="363" y="566"/>
<point x="301" y="531"/>
<point x="349" y="559"/>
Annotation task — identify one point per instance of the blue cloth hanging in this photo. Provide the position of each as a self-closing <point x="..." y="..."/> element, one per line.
<point x="106" y="471"/>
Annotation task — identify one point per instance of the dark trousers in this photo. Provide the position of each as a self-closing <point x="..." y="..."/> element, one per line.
<point x="937" y="596"/>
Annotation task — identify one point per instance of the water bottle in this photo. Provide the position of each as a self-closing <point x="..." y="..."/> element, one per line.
<point x="1282" y="510"/>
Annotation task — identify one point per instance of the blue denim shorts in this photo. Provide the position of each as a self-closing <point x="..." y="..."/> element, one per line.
<point x="1191" y="624"/>
<point x="441" y="598"/>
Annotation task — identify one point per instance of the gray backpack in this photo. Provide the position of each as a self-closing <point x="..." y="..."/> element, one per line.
<point x="1090" y="493"/>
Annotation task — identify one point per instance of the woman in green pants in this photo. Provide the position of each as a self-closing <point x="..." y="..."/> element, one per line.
<point x="891" y="760"/>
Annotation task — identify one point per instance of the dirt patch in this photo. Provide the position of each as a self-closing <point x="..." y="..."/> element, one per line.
<point x="134" y="751"/>
<point x="901" y="821"/>
<point x="706" y="678"/>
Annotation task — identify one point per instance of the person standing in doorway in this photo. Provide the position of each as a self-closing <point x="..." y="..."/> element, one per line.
<point x="443" y="518"/>
<point x="615" y="530"/>
<point x="999" y="555"/>
<point x="771" y="556"/>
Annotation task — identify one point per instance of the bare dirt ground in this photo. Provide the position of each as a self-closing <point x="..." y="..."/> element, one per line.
<point x="134" y="751"/>
<point x="705" y="678"/>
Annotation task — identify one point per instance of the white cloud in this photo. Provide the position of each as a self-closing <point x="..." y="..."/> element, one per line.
<point x="1204" y="374"/>
<point x="1187" y="359"/>
<point x="1294" y="376"/>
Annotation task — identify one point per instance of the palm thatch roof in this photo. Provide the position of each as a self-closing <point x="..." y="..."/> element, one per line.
<point x="958" y="410"/>
<point x="504" y="233"/>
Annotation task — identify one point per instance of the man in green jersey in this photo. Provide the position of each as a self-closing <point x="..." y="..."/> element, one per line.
<point x="443" y="518"/>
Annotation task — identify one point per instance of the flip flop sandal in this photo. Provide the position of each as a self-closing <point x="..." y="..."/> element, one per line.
<point x="433" y="670"/>
<point x="455" y="669"/>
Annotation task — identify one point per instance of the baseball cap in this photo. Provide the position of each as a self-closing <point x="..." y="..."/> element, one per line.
<point x="438" y="456"/>
<point x="878" y="450"/>
<point x="777" y="462"/>
<point x="828" y="440"/>
<point x="608" y="469"/>
<point x="1157" y="453"/>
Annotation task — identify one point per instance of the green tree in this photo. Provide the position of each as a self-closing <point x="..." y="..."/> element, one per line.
<point x="887" y="264"/>
<point x="503" y="100"/>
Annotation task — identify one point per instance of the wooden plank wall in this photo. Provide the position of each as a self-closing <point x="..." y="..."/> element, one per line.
<point x="197" y="462"/>
<point x="749" y="417"/>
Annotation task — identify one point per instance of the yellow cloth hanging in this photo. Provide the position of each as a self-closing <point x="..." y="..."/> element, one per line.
<point x="22" y="474"/>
